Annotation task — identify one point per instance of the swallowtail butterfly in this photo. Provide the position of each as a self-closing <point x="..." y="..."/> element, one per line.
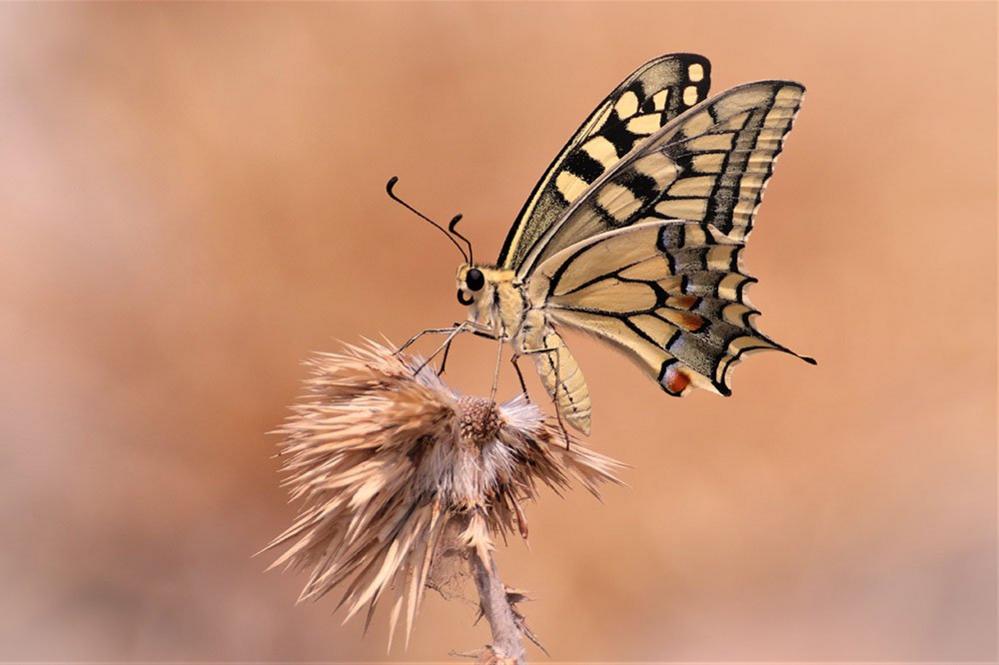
<point x="635" y="234"/>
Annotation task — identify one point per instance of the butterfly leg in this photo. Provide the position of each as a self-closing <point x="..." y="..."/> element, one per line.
<point x="515" y="361"/>
<point x="520" y="375"/>
<point x="428" y="331"/>
<point x="496" y="372"/>
<point x="447" y="348"/>
<point x="454" y="332"/>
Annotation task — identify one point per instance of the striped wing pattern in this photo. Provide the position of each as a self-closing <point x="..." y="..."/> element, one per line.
<point x="643" y="103"/>
<point x="709" y="164"/>
<point x="670" y="293"/>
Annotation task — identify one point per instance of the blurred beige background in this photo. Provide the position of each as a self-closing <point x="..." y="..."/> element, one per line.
<point x="192" y="200"/>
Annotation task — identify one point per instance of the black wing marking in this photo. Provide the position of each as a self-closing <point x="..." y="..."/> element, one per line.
<point x="653" y="95"/>
<point x="671" y="293"/>
<point x="709" y="164"/>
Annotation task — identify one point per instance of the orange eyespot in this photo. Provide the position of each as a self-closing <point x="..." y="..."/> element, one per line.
<point x="691" y="322"/>
<point x="684" y="301"/>
<point x="676" y="380"/>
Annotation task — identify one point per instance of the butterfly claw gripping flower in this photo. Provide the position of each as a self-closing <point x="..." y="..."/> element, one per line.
<point x="394" y="468"/>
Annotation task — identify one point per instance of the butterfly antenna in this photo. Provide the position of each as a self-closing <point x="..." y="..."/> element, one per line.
<point x="388" y="188"/>
<point x="453" y="230"/>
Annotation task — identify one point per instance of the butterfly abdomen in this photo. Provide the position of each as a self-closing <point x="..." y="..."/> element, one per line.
<point x="560" y="373"/>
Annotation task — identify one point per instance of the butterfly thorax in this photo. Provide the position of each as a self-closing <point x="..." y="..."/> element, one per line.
<point x="494" y="296"/>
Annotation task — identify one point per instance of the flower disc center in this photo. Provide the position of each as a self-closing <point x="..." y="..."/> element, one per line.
<point x="479" y="419"/>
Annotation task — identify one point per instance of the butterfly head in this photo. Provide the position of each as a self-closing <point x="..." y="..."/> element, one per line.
<point x="472" y="283"/>
<point x="490" y="294"/>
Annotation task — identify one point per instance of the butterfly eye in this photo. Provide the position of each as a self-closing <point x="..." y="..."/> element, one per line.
<point x="474" y="279"/>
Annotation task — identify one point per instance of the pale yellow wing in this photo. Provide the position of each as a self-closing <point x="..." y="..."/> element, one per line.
<point x="670" y="293"/>
<point x="651" y="96"/>
<point x="709" y="164"/>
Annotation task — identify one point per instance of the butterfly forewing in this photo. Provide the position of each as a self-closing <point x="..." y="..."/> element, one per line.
<point x="640" y="106"/>
<point x="726" y="152"/>
<point x="710" y="164"/>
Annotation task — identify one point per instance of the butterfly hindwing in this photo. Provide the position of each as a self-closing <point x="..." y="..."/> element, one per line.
<point x="647" y="100"/>
<point x="671" y="293"/>
<point x="709" y="164"/>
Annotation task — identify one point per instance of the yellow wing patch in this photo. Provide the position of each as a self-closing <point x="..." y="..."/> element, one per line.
<point x="725" y="152"/>
<point x="639" y="107"/>
<point x="709" y="164"/>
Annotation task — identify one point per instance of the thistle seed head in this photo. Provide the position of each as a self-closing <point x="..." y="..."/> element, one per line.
<point x="392" y="468"/>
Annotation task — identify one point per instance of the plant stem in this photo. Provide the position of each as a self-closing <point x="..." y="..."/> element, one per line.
<point x="507" y="646"/>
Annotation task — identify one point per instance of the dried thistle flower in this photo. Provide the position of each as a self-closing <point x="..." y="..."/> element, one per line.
<point x="393" y="468"/>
